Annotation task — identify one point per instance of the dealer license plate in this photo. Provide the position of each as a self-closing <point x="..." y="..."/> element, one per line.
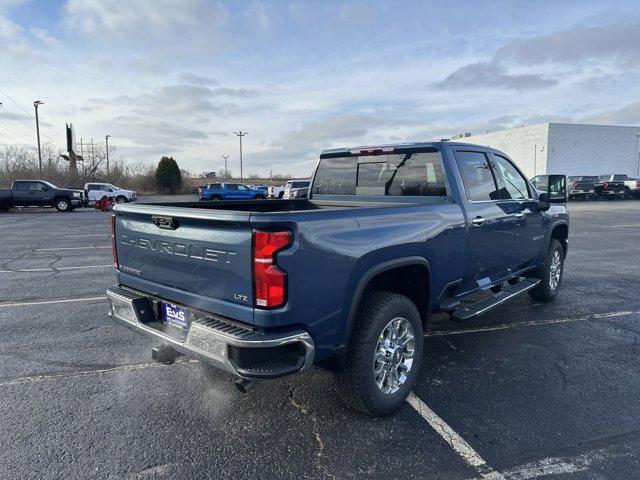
<point x="175" y="316"/>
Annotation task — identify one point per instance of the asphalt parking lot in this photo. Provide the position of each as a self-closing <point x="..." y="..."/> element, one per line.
<point x="526" y="391"/>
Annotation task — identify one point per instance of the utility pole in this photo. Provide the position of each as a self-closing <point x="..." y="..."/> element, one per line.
<point x="106" y="141"/>
<point x="226" y="172"/>
<point x="35" y="105"/>
<point x="240" y="134"/>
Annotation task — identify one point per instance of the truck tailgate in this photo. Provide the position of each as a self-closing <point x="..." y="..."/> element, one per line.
<point x="199" y="253"/>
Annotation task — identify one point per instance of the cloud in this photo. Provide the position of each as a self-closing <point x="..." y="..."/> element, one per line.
<point x="193" y="79"/>
<point x="627" y="115"/>
<point x="143" y="19"/>
<point x="492" y="75"/>
<point x="305" y="143"/>
<point x="576" y="45"/>
<point x="257" y="14"/>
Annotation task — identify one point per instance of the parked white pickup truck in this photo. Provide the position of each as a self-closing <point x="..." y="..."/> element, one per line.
<point x="276" y="191"/>
<point x="95" y="191"/>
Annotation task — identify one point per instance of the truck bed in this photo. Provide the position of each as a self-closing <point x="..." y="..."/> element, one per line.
<point x="271" y="206"/>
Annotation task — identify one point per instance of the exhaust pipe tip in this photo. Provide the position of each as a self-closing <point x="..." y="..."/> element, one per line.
<point x="243" y="385"/>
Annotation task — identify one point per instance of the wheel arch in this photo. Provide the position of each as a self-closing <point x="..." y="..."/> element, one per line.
<point x="415" y="269"/>
<point x="560" y="232"/>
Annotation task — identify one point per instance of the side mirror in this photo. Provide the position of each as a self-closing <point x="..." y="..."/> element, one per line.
<point x="552" y="188"/>
<point x="543" y="202"/>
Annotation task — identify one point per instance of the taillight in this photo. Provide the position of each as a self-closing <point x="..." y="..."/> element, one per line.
<point x="575" y="185"/>
<point x="606" y="186"/>
<point x="269" y="282"/>
<point x="113" y="241"/>
<point x="637" y="183"/>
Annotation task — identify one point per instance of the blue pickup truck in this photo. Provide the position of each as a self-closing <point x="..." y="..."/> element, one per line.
<point x="230" y="191"/>
<point x="347" y="278"/>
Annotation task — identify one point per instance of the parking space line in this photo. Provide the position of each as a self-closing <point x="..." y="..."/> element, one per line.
<point x="532" y="323"/>
<point x="81" y="373"/>
<point x="51" y="302"/>
<point x="67" y="248"/>
<point x="462" y="448"/>
<point x="32" y="270"/>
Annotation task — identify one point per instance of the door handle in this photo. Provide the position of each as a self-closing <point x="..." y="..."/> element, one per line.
<point x="478" y="221"/>
<point x="519" y="215"/>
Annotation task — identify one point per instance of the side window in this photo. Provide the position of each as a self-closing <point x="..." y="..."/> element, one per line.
<point x="231" y="186"/>
<point x="243" y="187"/>
<point x="476" y="176"/>
<point x="22" y="186"/>
<point x="37" y="186"/>
<point x="215" y="186"/>
<point x="511" y="184"/>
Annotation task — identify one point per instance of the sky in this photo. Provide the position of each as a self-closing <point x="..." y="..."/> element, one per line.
<point x="179" y="77"/>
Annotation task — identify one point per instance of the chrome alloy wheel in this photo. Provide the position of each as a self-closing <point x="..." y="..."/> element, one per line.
<point x="393" y="357"/>
<point x="555" y="270"/>
<point x="63" y="205"/>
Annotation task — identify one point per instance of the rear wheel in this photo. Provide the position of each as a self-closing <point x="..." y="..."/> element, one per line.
<point x="259" y="197"/>
<point x="384" y="355"/>
<point x="550" y="274"/>
<point x="63" y="204"/>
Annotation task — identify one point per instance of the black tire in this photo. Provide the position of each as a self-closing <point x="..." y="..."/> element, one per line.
<point x="259" y="197"/>
<point x="627" y="194"/>
<point x="62" y="204"/>
<point x="356" y="382"/>
<point x="121" y="199"/>
<point x="545" y="291"/>
<point x="281" y="194"/>
<point x="216" y="197"/>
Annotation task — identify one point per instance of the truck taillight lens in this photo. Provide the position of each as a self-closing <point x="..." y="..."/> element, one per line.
<point x="269" y="282"/>
<point x="575" y="185"/>
<point x="606" y="186"/>
<point x="637" y="183"/>
<point x="113" y="241"/>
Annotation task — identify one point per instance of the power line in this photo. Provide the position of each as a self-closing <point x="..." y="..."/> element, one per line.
<point x="29" y="127"/>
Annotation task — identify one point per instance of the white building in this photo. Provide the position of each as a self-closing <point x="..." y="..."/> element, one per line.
<point x="567" y="148"/>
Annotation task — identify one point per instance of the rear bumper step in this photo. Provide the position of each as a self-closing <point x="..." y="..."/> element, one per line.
<point x="486" y="304"/>
<point x="236" y="348"/>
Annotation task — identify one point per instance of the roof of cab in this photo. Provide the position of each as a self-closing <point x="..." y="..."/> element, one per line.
<point x="400" y="147"/>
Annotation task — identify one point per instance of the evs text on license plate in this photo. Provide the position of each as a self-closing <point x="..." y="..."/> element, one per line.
<point x="175" y="316"/>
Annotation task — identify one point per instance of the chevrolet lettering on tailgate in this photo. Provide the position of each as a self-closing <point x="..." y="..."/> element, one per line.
<point x="178" y="249"/>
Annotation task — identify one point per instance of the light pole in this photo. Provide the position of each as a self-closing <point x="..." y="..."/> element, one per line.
<point x="240" y="134"/>
<point x="35" y="105"/>
<point x="106" y="141"/>
<point x="226" y="172"/>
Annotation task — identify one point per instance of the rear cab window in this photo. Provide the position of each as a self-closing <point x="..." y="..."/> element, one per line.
<point x="411" y="174"/>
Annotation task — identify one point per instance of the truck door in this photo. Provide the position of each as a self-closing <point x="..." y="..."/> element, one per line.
<point x="230" y="191"/>
<point x="21" y="193"/>
<point x="41" y="194"/>
<point x="527" y="218"/>
<point x="490" y="238"/>
<point x="244" y="192"/>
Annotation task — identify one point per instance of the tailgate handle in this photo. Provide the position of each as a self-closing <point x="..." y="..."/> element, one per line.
<point x="166" y="223"/>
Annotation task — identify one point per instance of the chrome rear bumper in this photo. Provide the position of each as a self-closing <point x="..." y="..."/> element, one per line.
<point x="215" y="340"/>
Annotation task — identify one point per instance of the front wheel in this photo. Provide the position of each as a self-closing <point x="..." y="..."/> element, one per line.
<point x="63" y="205"/>
<point x="384" y="355"/>
<point x="121" y="199"/>
<point x="550" y="274"/>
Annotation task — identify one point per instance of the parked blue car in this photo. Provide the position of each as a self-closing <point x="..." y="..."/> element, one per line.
<point x="231" y="191"/>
